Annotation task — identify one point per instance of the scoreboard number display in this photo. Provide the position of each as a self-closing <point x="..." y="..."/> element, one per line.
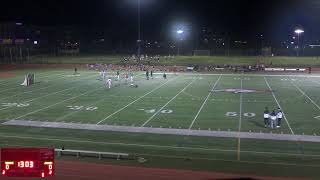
<point x="27" y="162"/>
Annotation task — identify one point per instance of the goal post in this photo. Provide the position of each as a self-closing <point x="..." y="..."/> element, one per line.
<point x="201" y="52"/>
<point x="29" y="79"/>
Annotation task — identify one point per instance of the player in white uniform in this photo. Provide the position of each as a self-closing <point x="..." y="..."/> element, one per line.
<point x="103" y="74"/>
<point x="266" y="117"/>
<point x="131" y="80"/>
<point x="109" y="82"/>
<point x="273" y="119"/>
<point x="279" y="116"/>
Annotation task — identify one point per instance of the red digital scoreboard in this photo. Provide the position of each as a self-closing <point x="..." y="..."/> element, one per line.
<point x="27" y="162"/>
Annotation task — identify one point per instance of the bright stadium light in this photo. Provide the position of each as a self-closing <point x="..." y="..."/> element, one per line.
<point x="180" y="31"/>
<point x="298" y="32"/>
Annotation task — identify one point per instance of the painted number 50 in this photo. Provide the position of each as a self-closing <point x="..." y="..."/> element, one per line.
<point x="234" y="114"/>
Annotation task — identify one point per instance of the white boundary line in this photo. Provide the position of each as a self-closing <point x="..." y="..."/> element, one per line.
<point x="240" y="120"/>
<point x="248" y="75"/>
<point x="57" y="103"/>
<point x="156" y="88"/>
<point x="49" y="94"/>
<point x="303" y="93"/>
<point x="147" y="121"/>
<point x="205" y="101"/>
<point x="278" y="105"/>
<point x="33" y="90"/>
<point x="74" y="112"/>
<point x="24" y="92"/>
<point x="16" y="87"/>
<point x="153" y="146"/>
<point x="11" y="82"/>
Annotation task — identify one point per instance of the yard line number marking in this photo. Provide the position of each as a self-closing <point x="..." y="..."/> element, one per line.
<point x="234" y="114"/>
<point x="89" y="108"/>
<point x="156" y="88"/>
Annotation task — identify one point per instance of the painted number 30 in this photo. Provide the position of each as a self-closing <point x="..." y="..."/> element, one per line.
<point x="15" y="104"/>
<point x="247" y="114"/>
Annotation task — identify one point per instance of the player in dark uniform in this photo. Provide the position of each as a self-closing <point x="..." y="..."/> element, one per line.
<point x="164" y="76"/>
<point x="118" y="76"/>
<point x="147" y="74"/>
<point x="75" y="70"/>
<point x="151" y="74"/>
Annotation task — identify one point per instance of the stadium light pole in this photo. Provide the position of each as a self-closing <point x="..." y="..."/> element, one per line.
<point x="298" y="32"/>
<point x="139" y="31"/>
<point x="179" y="33"/>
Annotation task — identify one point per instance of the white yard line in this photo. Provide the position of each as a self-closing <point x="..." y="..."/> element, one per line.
<point x="57" y="103"/>
<point x="240" y="108"/>
<point x="205" y="101"/>
<point x="48" y="94"/>
<point x="303" y="93"/>
<point x="153" y="145"/>
<point x="11" y="82"/>
<point x="74" y="112"/>
<point x="240" y="119"/>
<point x="31" y="91"/>
<point x="147" y="121"/>
<point x="248" y="75"/>
<point x="284" y="116"/>
<point x="24" y="93"/>
<point x="156" y="88"/>
<point x="16" y="87"/>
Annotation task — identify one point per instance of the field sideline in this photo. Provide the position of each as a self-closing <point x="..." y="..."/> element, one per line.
<point x="276" y="61"/>
<point x="192" y="102"/>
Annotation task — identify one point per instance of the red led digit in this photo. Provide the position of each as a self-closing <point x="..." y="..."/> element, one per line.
<point x="26" y="164"/>
<point x="31" y="164"/>
<point x="7" y="166"/>
<point x="21" y="164"/>
<point x="50" y="166"/>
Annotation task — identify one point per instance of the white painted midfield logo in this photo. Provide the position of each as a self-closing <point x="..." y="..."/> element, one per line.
<point x="241" y="90"/>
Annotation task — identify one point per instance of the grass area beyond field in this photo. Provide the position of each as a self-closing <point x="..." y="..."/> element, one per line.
<point x="187" y="101"/>
<point x="277" y="61"/>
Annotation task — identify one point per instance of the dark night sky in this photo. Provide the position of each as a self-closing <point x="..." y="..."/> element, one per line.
<point x="243" y="19"/>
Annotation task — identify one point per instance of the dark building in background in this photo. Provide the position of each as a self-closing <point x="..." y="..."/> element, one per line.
<point x="19" y="41"/>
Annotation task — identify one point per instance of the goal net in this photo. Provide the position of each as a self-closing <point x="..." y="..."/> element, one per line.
<point x="29" y="79"/>
<point x="201" y="52"/>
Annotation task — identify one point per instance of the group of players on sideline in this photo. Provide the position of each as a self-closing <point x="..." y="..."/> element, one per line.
<point x="273" y="119"/>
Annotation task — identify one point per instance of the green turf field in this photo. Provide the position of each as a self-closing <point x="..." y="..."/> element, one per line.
<point x="178" y="102"/>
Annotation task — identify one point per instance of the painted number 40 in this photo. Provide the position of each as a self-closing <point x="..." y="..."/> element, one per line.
<point x="247" y="114"/>
<point x="82" y="107"/>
